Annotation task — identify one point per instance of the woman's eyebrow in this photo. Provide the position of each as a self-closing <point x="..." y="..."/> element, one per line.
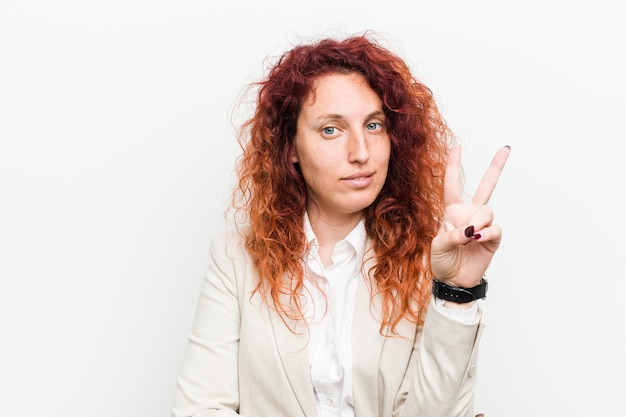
<point x="333" y="116"/>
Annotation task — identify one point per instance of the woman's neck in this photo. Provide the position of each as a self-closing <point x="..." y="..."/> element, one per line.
<point x="330" y="230"/>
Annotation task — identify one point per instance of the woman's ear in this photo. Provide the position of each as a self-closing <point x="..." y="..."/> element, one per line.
<point x="294" y="155"/>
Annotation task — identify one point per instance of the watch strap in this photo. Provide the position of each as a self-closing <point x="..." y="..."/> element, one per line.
<point x="459" y="294"/>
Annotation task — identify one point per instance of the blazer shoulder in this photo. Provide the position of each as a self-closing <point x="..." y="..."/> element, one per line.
<point x="231" y="263"/>
<point x="228" y="245"/>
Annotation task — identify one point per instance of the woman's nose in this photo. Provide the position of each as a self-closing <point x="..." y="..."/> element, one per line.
<point x="357" y="147"/>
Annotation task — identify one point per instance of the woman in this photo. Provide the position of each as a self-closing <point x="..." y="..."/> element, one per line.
<point x="351" y="218"/>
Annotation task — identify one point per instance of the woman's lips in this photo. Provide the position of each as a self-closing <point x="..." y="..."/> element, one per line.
<point x="359" y="179"/>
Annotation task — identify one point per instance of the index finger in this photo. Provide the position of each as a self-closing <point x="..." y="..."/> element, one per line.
<point x="490" y="179"/>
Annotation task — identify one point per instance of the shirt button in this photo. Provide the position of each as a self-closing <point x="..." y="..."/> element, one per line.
<point x="472" y="370"/>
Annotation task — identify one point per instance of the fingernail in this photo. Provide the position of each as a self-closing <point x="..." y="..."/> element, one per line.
<point x="469" y="232"/>
<point x="507" y="146"/>
<point x="476" y="236"/>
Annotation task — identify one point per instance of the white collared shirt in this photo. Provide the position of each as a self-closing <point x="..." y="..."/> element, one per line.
<point x="331" y="300"/>
<point x="329" y="310"/>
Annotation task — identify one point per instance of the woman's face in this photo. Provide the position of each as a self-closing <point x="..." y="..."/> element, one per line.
<point x="342" y="146"/>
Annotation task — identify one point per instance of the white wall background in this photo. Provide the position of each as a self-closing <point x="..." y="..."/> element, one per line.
<point x="116" y="157"/>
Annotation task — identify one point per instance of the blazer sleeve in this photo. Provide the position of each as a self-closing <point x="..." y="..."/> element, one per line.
<point x="440" y="380"/>
<point x="208" y="381"/>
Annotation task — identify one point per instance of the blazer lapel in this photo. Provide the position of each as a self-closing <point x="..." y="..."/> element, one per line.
<point x="292" y="348"/>
<point x="367" y="344"/>
<point x="372" y="352"/>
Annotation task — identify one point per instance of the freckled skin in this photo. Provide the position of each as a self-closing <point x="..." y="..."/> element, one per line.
<point x="342" y="148"/>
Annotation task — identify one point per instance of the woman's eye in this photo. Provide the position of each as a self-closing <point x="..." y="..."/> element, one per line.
<point x="373" y="126"/>
<point x="329" y="131"/>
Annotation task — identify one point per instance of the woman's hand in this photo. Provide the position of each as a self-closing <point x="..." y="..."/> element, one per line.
<point x="467" y="239"/>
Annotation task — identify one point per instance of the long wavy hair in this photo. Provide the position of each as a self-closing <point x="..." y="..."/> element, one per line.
<point x="404" y="218"/>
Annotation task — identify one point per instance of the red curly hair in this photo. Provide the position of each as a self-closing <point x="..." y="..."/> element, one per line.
<point x="401" y="222"/>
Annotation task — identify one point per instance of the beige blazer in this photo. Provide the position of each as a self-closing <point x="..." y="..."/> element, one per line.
<point x="243" y="360"/>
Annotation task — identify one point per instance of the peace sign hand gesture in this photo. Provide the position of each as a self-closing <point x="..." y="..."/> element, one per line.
<point x="467" y="239"/>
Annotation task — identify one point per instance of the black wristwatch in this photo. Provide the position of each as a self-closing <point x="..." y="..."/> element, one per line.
<point x="458" y="294"/>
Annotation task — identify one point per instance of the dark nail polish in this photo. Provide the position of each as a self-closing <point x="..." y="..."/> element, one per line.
<point x="507" y="146"/>
<point x="477" y="236"/>
<point x="469" y="232"/>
